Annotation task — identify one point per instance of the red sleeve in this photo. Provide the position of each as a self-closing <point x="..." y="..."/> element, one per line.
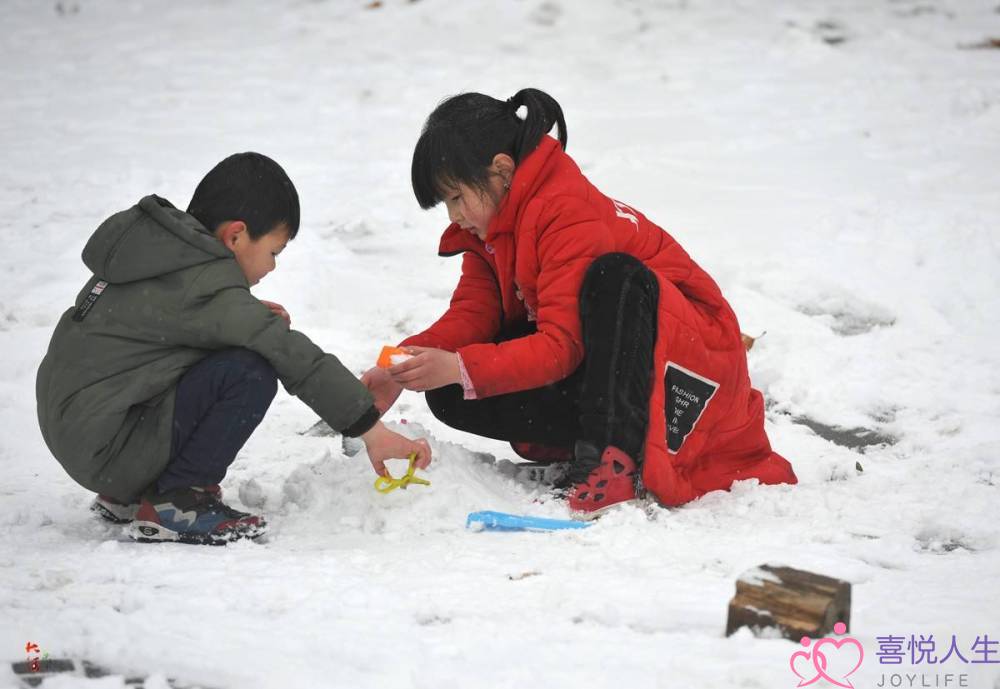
<point x="570" y="235"/>
<point x="474" y="314"/>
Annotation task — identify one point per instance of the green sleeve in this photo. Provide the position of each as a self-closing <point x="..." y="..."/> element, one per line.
<point x="219" y="311"/>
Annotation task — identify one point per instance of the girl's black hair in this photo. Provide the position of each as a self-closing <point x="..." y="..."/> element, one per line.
<point x="249" y="187"/>
<point x="465" y="132"/>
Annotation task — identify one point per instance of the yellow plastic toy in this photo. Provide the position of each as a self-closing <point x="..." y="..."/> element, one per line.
<point x="387" y="484"/>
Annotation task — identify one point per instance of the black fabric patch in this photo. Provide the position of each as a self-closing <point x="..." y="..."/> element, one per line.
<point x="688" y="395"/>
<point x="90" y="300"/>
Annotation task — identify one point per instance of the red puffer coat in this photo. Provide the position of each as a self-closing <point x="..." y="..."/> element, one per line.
<point x="706" y="424"/>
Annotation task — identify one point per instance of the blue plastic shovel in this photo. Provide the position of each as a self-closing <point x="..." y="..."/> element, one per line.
<point x="502" y="521"/>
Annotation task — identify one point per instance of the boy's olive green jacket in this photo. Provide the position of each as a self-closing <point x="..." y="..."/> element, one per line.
<point x="164" y="294"/>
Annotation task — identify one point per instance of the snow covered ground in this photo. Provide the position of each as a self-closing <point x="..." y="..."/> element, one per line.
<point x="833" y="164"/>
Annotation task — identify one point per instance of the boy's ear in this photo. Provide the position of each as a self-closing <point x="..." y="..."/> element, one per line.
<point x="231" y="232"/>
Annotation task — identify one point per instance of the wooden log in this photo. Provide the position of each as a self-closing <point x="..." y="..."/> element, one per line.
<point x="794" y="602"/>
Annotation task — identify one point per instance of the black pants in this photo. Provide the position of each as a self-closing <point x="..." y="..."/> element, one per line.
<point x="606" y="400"/>
<point x="220" y="401"/>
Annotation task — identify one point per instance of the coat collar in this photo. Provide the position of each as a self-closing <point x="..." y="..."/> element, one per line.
<point x="455" y="240"/>
<point x="528" y="176"/>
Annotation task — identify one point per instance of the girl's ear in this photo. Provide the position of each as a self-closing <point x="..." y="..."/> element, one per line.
<point x="503" y="165"/>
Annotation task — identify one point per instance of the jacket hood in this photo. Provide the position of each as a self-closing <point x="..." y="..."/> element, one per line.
<point x="149" y="239"/>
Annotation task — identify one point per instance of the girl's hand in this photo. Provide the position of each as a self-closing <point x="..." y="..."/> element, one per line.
<point x="382" y="387"/>
<point x="427" y="370"/>
<point x="383" y="444"/>
<point x="277" y="310"/>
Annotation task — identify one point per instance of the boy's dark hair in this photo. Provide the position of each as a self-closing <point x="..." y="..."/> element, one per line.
<point x="249" y="187"/>
<point x="465" y="132"/>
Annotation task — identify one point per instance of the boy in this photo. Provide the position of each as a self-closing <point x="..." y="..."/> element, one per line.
<point x="158" y="375"/>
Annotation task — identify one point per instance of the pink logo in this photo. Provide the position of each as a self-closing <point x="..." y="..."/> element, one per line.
<point x="830" y="659"/>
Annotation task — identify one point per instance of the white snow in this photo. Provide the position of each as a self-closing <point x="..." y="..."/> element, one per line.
<point x="845" y="195"/>
<point x="757" y="576"/>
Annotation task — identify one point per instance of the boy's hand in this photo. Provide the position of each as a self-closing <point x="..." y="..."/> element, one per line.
<point x="427" y="370"/>
<point x="277" y="310"/>
<point x="382" y="387"/>
<point x="383" y="444"/>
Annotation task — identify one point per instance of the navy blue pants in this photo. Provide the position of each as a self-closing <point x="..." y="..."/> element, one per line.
<point x="220" y="401"/>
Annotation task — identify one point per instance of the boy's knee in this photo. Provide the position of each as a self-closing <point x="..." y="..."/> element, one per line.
<point x="255" y="369"/>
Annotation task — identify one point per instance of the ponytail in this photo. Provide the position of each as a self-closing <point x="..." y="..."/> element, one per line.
<point x="465" y="132"/>
<point x="543" y="113"/>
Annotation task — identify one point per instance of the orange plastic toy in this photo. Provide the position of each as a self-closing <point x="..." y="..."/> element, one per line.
<point x="385" y="358"/>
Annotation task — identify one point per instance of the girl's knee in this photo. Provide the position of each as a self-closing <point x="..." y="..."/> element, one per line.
<point x="610" y="273"/>
<point x="614" y="260"/>
<point x="615" y="267"/>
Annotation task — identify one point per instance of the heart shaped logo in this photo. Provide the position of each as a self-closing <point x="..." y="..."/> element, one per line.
<point x="838" y="659"/>
<point x="802" y="665"/>
<point x="830" y="659"/>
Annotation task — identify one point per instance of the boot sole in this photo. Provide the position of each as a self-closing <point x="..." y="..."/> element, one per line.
<point x="123" y="516"/>
<point x="598" y="513"/>
<point x="150" y="532"/>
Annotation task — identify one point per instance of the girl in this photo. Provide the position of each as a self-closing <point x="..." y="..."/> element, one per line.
<point x="579" y="329"/>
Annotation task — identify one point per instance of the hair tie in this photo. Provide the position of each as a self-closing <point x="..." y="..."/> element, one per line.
<point x="513" y="106"/>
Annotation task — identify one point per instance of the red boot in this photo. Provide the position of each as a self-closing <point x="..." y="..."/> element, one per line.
<point x="536" y="452"/>
<point x="610" y="482"/>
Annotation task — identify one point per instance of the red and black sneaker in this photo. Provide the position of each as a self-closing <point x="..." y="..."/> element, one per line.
<point x="596" y="482"/>
<point x="117" y="512"/>
<point x="192" y="515"/>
